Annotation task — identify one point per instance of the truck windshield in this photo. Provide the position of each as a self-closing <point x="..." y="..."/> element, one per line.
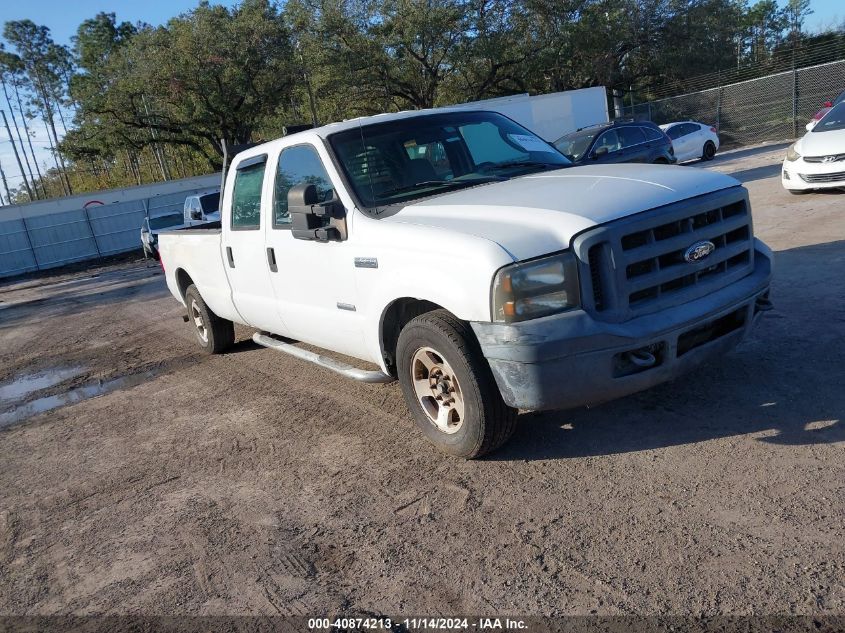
<point x="388" y="163"/>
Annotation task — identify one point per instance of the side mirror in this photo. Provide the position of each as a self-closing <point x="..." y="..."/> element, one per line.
<point x="599" y="152"/>
<point x="311" y="219"/>
<point x="196" y="215"/>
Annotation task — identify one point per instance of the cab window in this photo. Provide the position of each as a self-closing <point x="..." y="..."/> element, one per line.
<point x="246" y="196"/>
<point x="651" y="134"/>
<point x="675" y="132"/>
<point x="629" y="136"/>
<point x="297" y="165"/>
<point x="610" y="140"/>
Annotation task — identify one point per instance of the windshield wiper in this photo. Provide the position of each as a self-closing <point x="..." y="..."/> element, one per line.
<point x="438" y="183"/>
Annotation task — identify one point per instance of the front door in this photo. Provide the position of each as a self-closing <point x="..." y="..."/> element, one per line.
<point x="314" y="282"/>
<point x="243" y="253"/>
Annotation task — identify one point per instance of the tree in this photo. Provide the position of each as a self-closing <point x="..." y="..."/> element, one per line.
<point x="795" y="12"/>
<point x="42" y="64"/>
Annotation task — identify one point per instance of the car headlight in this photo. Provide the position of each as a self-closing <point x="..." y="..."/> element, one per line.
<point x="791" y="154"/>
<point x="536" y="288"/>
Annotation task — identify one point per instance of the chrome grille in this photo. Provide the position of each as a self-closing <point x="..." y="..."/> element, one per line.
<point x="636" y="265"/>
<point x="830" y="158"/>
<point x="823" y="177"/>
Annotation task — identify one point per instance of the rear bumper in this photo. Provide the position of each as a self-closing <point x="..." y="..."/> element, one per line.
<point x="571" y="359"/>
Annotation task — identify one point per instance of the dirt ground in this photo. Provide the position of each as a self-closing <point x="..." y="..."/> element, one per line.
<point x="139" y="477"/>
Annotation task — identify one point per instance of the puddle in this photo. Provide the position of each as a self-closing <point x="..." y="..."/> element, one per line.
<point x="25" y="385"/>
<point x="48" y="403"/>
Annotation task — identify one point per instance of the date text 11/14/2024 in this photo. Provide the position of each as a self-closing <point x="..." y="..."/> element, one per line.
<point x="355" y="625"/>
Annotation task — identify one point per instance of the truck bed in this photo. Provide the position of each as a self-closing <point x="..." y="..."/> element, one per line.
<point x="193" y="255"/>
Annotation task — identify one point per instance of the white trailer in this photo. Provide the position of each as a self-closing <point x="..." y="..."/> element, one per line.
<point x="552" y="115"/>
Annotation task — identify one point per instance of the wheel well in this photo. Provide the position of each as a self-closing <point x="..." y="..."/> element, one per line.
<point x="395" y="318"/>
<point x="183" y="280"/>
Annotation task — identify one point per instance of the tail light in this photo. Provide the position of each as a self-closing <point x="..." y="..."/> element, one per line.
<point x="713" y="129"/>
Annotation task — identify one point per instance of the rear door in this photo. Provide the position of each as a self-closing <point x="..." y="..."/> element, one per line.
<point x="634" y="147"/>
<point x="674" y="133"/>
<point x="685" y="145"/>
<point x="244" y="257"/>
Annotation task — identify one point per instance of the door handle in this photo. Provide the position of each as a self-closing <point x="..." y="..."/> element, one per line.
<point x="230" y="257"/>
<point x="271" y="260"/>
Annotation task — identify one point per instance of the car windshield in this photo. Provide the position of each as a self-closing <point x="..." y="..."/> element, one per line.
<point x="210" y="203"/>
<point x="574" y="145"/>
<point x="388" y="163"/>
<point x="833" y="120"/>
<point x="165" y="221"/>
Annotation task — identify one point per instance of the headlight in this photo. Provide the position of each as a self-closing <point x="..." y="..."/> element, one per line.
<point x="791" y="154"/>
<point x="536" y="288"/>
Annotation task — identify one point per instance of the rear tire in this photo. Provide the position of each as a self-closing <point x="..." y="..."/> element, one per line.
<point x="661" y="161"/>
<point x="214" y="334"/>
<point x="709" y="151"/>
<point x="449" y="387"/>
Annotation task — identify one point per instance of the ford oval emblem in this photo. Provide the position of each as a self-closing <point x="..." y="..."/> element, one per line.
<point x="699" y="251"/>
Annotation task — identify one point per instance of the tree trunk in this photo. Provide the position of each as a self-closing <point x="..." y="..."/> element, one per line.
<point x="20" y="139"/>
<point x="29" y="140"/>
<point x="17" y="156"/>
<point x="48" y="110"/>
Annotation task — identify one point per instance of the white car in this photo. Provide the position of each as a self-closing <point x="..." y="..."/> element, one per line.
<point x="463" y="255"/>
<point x="692" y="140"/>
<point x="817" y="160"/>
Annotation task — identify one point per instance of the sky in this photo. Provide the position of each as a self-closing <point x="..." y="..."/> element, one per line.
<point x="63" y="17"/>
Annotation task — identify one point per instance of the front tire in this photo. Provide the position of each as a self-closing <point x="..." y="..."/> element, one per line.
<point x="709" y="151"/>
<point x="449" y="387"/>
<point x="214" y="334"/>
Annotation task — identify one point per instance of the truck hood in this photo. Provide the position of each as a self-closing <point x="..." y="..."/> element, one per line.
<point x="540" y="213"/>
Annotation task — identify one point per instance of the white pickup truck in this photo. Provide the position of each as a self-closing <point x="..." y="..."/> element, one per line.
<point x="463" y="256"/>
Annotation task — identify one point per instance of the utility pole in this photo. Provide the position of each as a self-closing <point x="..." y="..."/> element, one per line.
<point x="17" y="156"/>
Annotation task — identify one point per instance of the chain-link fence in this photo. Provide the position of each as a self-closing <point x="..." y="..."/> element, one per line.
<point x="771" y="108"/>
<point x="46" y="241"/>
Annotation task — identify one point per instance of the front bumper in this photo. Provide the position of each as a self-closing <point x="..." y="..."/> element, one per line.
<point x="800" y="175"/>
<point x="570" y="359"/>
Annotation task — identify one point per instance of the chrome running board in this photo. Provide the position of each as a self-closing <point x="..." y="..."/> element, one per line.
<point x="361" y="375"/>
